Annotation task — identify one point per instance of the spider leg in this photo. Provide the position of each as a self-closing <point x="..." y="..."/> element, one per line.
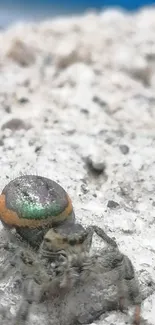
<point x="89" y="237"/>
<point x="137" y="315"/>
<point x="133" y="287"/>
<point x="29" y="296"/>
<point x="101" y="233"/>
<point x="15" y="260"/>
<point x="8" y="246"/>
<point x="22" y="314"/>
<point x="136" y="299"/>
<point x="121" y="295"/>
<point x="9" y="263"/>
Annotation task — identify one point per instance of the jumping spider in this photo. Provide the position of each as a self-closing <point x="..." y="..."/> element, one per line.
<point x="77" y="286"/>
<point x="62" y="271"/>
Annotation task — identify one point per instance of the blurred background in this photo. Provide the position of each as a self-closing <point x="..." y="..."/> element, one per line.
<point x="17" y="10"/>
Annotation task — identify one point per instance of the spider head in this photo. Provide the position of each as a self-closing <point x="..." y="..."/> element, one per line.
<point x="64" y="240"/>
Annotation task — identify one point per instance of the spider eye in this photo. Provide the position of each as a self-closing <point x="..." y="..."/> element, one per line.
<point x="82" y="239"/>
<point x="72" y="241"/>
<point x="65" y="239"/>
<point x="47" y="240"/>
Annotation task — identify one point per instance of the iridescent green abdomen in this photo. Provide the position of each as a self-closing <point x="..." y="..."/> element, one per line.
<point x="34" y="202"/>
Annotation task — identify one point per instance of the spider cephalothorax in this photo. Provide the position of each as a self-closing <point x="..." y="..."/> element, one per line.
<point x="77" y="288"/>
<point x="73" y="239"/>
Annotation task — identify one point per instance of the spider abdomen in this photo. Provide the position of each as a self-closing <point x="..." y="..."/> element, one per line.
<point x="34" y="202"/>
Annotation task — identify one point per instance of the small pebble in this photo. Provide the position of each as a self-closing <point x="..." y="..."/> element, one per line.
<point x="69" y="53"/>
<point x="38" y="149"/>
<point x="84" y="189"/>
<point x="112" y="204"/>
<point x="15" y="124"/>
<point x="7" y="108"/>
<point x="124" y="149"/>
<point x="84" y="111"/>
<point x="109" y="140"/>
<point x="95" y="166"/>
<point x="1" y="142"/>
<point x="22" y="53"/>
<point x="99" y="101"/>
<point x="23" y="100"/>
<point x="71" y="131"/>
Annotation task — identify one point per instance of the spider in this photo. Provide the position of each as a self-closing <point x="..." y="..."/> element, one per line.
<point x="77" y="286"/>
<point x="60" y="266"/>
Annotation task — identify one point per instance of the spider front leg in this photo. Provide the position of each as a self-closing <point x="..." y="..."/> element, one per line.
<point x="17" y="258"/>
<point x="8" y="246"/>
<point x="101" y="233"/>
<point x="135" y="295"/>
<point x="33" y="276"/>
<point x="37" y="284"/>
<point x="11" y="252"/>
<point x="128" y="274"/>
<point x="25" y="306"/>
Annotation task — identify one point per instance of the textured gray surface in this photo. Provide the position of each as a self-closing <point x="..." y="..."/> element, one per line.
<point x="87" y="88"/>
<point x="97" y="289"/>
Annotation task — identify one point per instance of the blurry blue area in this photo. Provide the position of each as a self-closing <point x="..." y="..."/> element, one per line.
<point x="82" y="4"/>
<point x="15" y="10"/>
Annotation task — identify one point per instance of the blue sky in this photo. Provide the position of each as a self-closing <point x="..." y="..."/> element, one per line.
<point x="12" y="10"/>
<point x="75" y="4"/>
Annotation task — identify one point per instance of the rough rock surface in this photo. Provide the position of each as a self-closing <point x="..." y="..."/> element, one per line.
<point x="87" y="88"/>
